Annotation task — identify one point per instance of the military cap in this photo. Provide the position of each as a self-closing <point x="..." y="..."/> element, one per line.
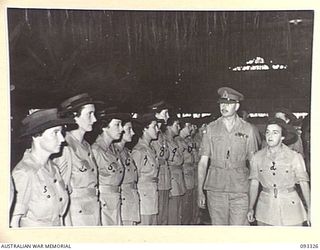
<point x="107" y="114"/>
<point x="75" y="102"/>
<point x="158" y="106"/>
<point x="145" y="119"/>
<point x="285" y="111"/>
<point x="42" y="119"/>
<point x="229" y="95"/>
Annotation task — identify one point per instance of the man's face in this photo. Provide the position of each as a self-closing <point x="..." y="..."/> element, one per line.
<point x="164" y="115"/>
<point x="114" y="129"/>
<point x="228" y="109"/>
<point x="152" y="130"/>
<point x="274" y="135"/>
<point x="86" y="118"/>
<point x="51" y="139"/>
<point x="128" y="132"/>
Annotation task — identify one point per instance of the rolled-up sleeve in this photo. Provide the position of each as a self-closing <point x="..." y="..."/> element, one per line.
<point x="22" y="181"/>
<point x="299" y="168"/>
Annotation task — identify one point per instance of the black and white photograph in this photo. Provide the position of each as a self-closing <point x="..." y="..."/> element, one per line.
<point x="159" y="119"/>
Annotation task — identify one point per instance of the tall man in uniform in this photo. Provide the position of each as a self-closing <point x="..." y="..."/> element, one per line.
<point x="229" y="143"/>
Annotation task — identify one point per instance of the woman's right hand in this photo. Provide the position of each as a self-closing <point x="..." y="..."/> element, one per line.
<point x="250" y="215"/>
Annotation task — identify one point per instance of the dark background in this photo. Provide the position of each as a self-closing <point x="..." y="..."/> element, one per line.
<point x="134" y="58"/>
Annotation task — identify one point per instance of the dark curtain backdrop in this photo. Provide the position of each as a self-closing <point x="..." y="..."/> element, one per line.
<point x="131" y="58"/>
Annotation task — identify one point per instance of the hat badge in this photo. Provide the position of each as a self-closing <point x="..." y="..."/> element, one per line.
<point x="225" y="94"/>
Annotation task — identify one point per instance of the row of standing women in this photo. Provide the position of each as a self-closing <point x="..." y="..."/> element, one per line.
<point x="62" y="180"/>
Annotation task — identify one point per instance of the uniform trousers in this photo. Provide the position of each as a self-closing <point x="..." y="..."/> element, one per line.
<point x="175" y="210"/>
<point x="187" y="207"/>
<point x="163" y="207"/>
<point x="195" y="208"/>
<point x="228" y="208"/>
<point x="148" y="219"/>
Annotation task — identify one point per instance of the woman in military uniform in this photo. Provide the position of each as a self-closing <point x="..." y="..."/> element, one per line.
<point x="42" y="198"/>
<point x="77" y="165"/>
<point x="110" y="167"/>
<point x="130" y="208"/>
<point x="147" y="163"/>
<point x="278" y="168"/>
<point x="185" y="146"/>
<point x="178" y="188"/>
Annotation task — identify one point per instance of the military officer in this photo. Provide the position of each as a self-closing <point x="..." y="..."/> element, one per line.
<point x="228" y="142"/>
<point x="109" y="164"/>
<point x="42" y="198"/>
<point x="278" y="168"/>
<point x="77" y="165"/>
<point x="130" y="202"/>
<point x="147" y="163"/>
<point x="175" y="161"/>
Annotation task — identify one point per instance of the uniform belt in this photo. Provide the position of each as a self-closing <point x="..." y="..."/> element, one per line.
<point x="276" y="191"/>
<point x="109" y="189"/>
<point x="80" y="192"/>
<point x="130" y="185"/>
<point x="148" y="179"/>
<point x="176" y="167"/>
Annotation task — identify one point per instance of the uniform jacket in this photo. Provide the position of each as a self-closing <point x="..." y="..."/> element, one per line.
<point x="162" y="150"/>
<point x="42" y="197"/>
<point x="279" y="173"/>
<point x="148" y="169"/>
<point x="228" y="153"/>
<point x="79" y="171"/>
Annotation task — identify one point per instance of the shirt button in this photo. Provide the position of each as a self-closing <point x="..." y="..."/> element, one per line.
<point x="274" y="185"/>
<point x="120" y="172"/>
<point x="113" y="171"/>
<point x="274" y="173"/>
<point x="104" y="204"/>
<point x="48" y="196"/>
<point x="92" y="170"/>
<point x="80" y="211"/>
<point x="89" y="154"/>
<point x="55" y="180"/>
<point x="60" y="199"/>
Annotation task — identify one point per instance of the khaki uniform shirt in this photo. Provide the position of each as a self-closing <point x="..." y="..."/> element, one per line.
<point x="278" y="174"/>
<point x="162" y="151"/>
<point x="148" y="169"/>
<point x="228" y="153"/>
<point x="42" y="197"/>
<point x="186" y="148"/>
<point x="79" y="171"/>
<point x="175" y="161"/>
<point x="130" y="208"/>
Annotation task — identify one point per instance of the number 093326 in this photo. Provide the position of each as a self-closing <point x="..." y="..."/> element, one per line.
<point x="308" y="246"/>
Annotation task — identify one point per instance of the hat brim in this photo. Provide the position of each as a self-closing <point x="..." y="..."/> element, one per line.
<point x="223" y="100"/>
<point x="80" y="104"/>
<point x="47" y="125"/>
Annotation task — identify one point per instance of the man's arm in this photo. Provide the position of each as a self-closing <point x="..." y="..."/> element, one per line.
<point x="253" y="193"/>
<point x="202" y="170"/>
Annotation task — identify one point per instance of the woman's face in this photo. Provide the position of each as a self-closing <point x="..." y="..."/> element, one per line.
<point x="152" y="130"/>
<point x="86" y="118"/>
<point x="114" y="129"/>
<point x="51" y="139"/>
<point x="175" y="128"/>
<point x="128" y="132"/>
<point x="274" y="135"/>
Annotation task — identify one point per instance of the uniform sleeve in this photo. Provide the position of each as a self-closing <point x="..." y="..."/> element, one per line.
<point x="205" y="149"/>
<point x="299" y="168"/>
<point x="137" y="156"/>
<point x="253" y="168"/>
<point x="252" y="144"/>
<point x="22" y="181"/>
<point x="64" y="164"/>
